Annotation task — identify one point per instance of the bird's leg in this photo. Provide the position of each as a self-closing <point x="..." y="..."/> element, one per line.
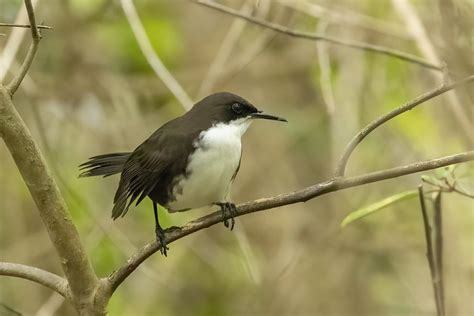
<point x="160" y="233"/>
<point x="228" y="209"/>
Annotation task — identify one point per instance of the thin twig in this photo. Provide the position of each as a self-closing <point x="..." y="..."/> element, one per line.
<point x="26" y="26"/>
<point x="408" y="13"/>
<point x="430" y="252"/>
<point x="251" y="51"/>
<point x="48" y="279"/>
<point x="36" y="37"/>
<point x="448" y="187"/>
<point x="303" y="195"/>
<point x="464" y="193"/>
<point x="318" y="37"/>
<point x="153" y="59"/>
<point x="347" y="18"/>
<point x="225" y="50"/>
<point x="438" y="229"/>
<point x="31" y="17"/>
<point x="341" y="166"/>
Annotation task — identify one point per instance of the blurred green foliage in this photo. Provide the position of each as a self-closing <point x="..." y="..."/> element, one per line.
<point x="123" y="47"/>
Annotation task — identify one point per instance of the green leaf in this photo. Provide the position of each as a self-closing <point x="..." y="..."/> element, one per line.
<point x="377" y="206"/>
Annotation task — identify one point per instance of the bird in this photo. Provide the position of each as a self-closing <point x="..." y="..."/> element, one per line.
<point x="189" y="162"/>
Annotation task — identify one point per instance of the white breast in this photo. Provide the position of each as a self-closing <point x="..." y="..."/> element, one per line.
<point x="211" y="167"/>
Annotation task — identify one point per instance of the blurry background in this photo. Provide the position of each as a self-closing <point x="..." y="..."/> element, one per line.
<point x="92" y="91"/>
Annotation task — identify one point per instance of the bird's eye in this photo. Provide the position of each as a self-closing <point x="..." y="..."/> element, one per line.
<point x="237" y="108"/>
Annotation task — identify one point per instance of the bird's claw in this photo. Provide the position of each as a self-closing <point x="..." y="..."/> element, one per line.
<point x="161" y="238"/>
<point x="229" y="210"/>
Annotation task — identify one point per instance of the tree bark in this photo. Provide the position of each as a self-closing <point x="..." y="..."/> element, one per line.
<point x="82" y="281"/>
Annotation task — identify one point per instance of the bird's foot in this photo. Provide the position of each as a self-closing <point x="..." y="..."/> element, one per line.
<point x="161" y="238"/>
<point x="229" y="210"/>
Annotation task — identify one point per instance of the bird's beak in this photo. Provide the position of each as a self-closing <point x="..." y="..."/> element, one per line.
<point x="260" y="115"/>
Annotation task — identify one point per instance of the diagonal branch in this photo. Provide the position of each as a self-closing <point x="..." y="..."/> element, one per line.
<point x="36" y="37"/>
<point x="408" y="13"/>
<point x="303" y="195"/>
<point x="153" y="59"/>
<point x="225" y="50"/>
<point x="341" y="166"/>
<point x="48" y="279"/>
<point x="318" y="37"/>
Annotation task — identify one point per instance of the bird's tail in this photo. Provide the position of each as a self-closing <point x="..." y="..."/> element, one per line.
<point x="104" y="165"/>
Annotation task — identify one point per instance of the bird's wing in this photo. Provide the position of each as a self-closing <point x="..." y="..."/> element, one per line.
<point x="143" y="169"/>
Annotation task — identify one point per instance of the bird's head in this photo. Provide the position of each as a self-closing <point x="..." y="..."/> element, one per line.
<point x="225" y="107"/>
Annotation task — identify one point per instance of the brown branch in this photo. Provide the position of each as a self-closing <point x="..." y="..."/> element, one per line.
<point x="50" y="204"/>
<point x="303" y="195"/>
<point x="48" y="279"/>
<point x="26" y="26"/>
<point x="36" y="37"/>
<point x="341" y="166"/>
<point x="318" y="37"/>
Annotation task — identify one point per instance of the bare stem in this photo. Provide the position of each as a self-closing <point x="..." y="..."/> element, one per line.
<point x="225" y="50"/>
<point x="318" y="37"/>
<point x="438" y="229"/>
<point x="36" y="37"/>
<point x="341" y="166"/>
<point x="303" y="195"/>
<point x="48" y="279"/>
<point x="430" y="252"/>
